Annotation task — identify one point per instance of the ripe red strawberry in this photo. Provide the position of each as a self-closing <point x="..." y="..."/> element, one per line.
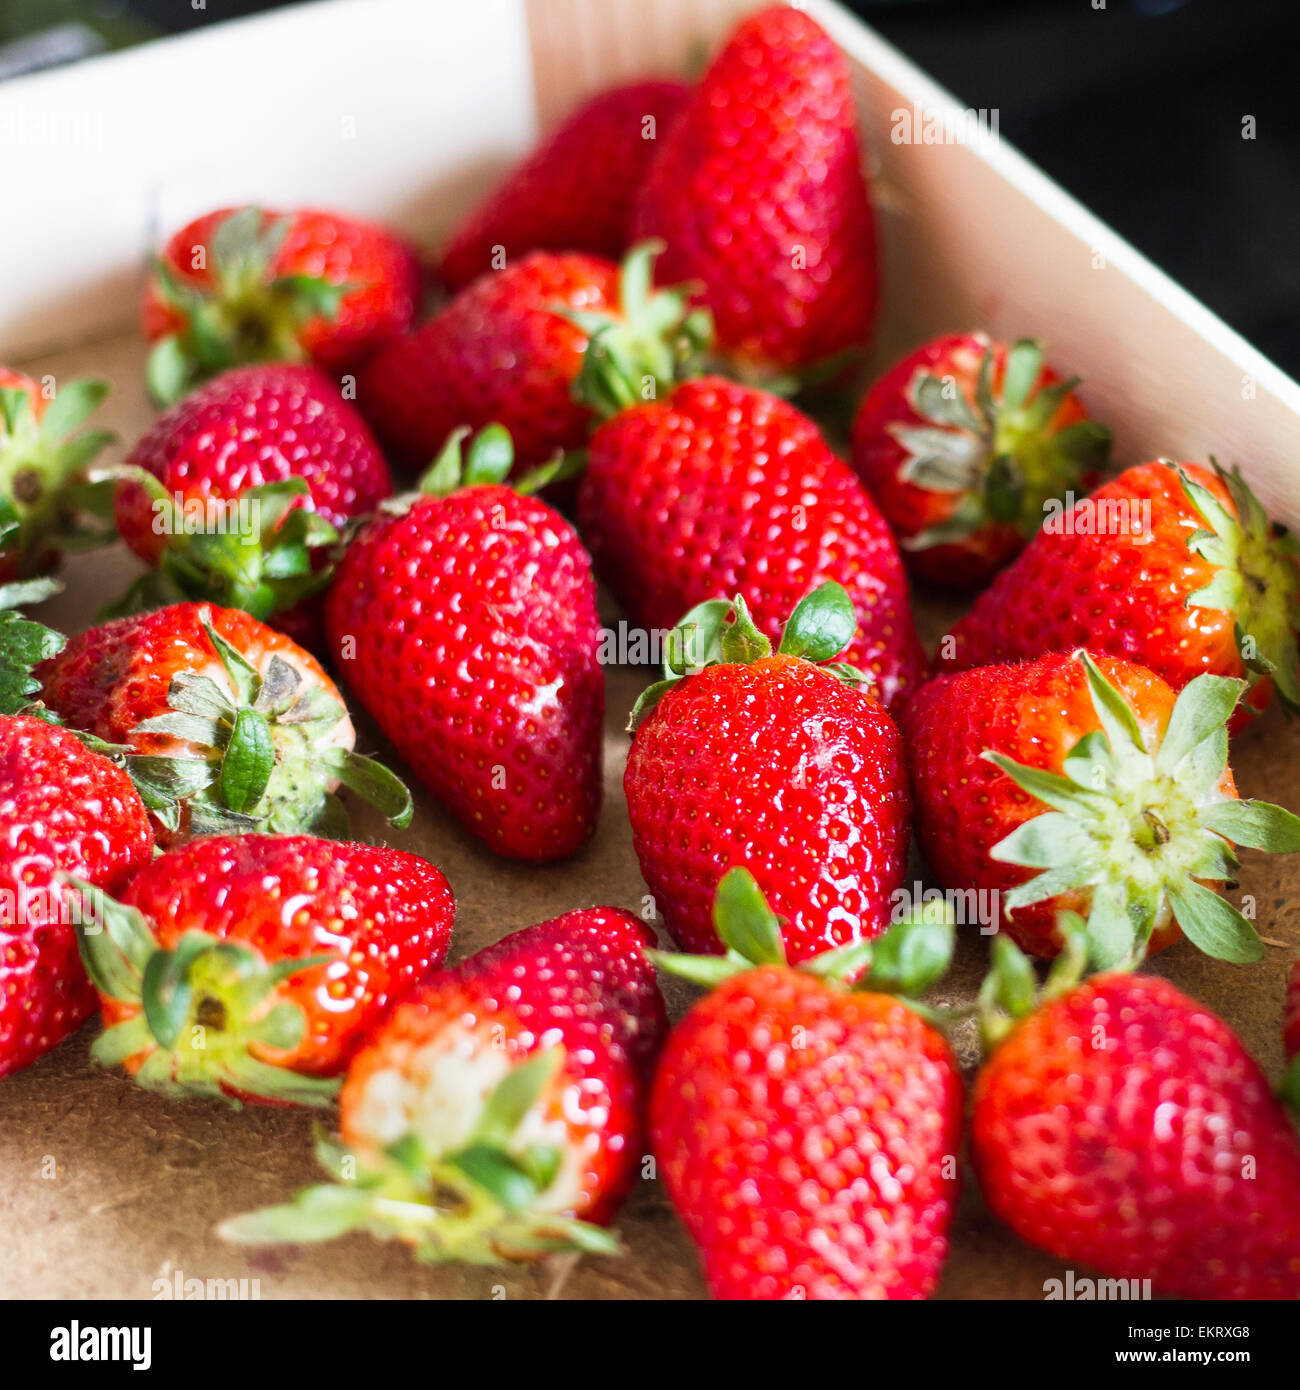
<point x="509" y="348"/>
<point x="464" y="619"/>
<point x="234" y="726"/>
<point x="964" y="443"/>
<point x="1124" y="1127"/>
<point x="65" y="810"/>
<point x="721" y="489"/>
<point x="233" y="493"/>
<point x="497" y="1113"/>
<point x="1069" y="783"/>
<point x="44" y="453"/>
<point x="247" y="285"/>
<point x="253" y="966"/>
<point x="1168" y="565"/>
<point x="574" y="192"/>
<point x="774" y="763"/>
<point x="757" y="191"/>
<point x="809" y="1135"/>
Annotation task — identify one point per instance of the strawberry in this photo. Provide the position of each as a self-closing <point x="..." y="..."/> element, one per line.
<point x="496" y="1114"/>
<point x="963" y="443"/>
<point x="757" y="191"/>
<point x="231" y="725"/>
<point x="1168" y="565"/>
<point x="253" y="966"/>
<point x="774" y="762"/>
<point x="509" y="349"/>
<point x="464" y="618"/>
<point x="808" y="1134"/>
<point x="574" y="192"/>
<point x="1122" y="1126"/>
<point x="234" y="493"/>
<point x="1072" y="783"/>
<point x="723" y="489"/>
<point x="247" y="285"/>
<point x="65" y="810"/>
<point x="45" y="504"/>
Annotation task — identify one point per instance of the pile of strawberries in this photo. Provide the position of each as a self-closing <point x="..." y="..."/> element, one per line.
<point x="174" y="781"/>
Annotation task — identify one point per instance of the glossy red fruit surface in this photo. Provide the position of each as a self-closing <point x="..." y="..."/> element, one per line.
<point x="780" y="768"/>
<point x="65" y="810"/>
<point x="1124" y="1127"/>
<point x="376" y="272"/>
<point x="248" y="427"/>
<point x="721" y="489"/>
<point x="757" y="192"/>
<point x="575" y="191"/>
<point x="1125" y="575"/>
<point x="580" y="983"/>
<point x="467" y="627"/>
<point x="383" y="917"/>
<point x="498" y="352"/>
<point x="809" y="1139"/>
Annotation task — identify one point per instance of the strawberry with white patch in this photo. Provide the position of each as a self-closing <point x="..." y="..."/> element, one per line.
<point x="497" y="1113"/>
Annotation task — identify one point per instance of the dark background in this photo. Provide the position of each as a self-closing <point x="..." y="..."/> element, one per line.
<point x="1136" y="108"/>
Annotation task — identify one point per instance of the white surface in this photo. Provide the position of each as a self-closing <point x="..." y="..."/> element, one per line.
<point x="116" y="151"/>
<point x="388" y="108"/>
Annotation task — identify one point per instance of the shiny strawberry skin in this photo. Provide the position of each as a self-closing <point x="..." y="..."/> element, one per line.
<point x="498" y="352"/>
<point x="722" y="489"/>
<point x="574" y="192"/>
<point x="112" y="677"/>
<point x="250" y="426"/>
<point x="582" y="982"/>
<point x="780" y="768"/>
<point x="385" y="915"/>
<point x="1115" y="594"/>
<point x="382" y="268"/>
<point x="64" y="810"/>
<point x="758" y="193"/>
<point x="910" y="509"/>
<point x="1034" y="712"/>
<point x="468" y="629"/>
<point x="1124" y="1127"/>
<point x="809" y="1137"/>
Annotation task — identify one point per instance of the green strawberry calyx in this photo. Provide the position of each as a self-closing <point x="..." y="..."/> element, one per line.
<point x="247" y="314"/>
<point x="1141" y="826"/>
<point x="479" y="1203"/>
<point x="720" y="631"/>
<point x="998" y="455"/>
<point x="642" y="349"/>
<point x="261" y="755"/>
<point x="1256" y="579"/>
<point x="261" y="551"/>
<point x="911" y="956"/>
<point x="47" y="502"/>
<point x="1010" y="991"/>
<point x="207" y="1015"/>
<point x="487" y="461"/>
<point x="24" y="644"/>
